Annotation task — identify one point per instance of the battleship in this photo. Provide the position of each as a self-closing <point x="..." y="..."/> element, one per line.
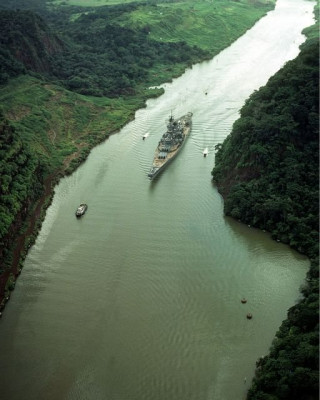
<point x="170" y="143"/>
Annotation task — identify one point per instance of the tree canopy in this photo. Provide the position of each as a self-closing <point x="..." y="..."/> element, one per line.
<point x="20" y="179"/>
<point x="91" y="54"/>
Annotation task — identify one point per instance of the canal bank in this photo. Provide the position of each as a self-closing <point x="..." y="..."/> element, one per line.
<point x="140" y="299"/>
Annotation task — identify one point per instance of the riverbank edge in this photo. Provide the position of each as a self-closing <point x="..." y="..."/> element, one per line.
<point x="22" y="242"/>
<point x="293" y="324"/>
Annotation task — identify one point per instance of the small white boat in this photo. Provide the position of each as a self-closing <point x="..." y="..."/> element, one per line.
<point x="145" y="135"/>
<point x="81" y="210"/>
<point x="205" y="152"/>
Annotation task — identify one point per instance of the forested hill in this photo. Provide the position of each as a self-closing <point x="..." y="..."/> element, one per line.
<point x="268" y="172"/>
<point x="117" y="49"/>
<point x="90" y="54"/>
<point x="26" y="43"/>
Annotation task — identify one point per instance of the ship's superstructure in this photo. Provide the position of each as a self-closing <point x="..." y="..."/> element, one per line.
<point x="171" y="142"/>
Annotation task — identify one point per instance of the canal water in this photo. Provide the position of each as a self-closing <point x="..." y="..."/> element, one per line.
<point x="140" y="298"/>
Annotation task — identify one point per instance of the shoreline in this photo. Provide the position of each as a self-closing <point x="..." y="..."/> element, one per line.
<point x="24" y="241"/>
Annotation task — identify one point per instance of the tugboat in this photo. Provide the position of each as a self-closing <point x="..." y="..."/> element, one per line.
<point x="81" y="210"/>
<point x="170" y="143"/>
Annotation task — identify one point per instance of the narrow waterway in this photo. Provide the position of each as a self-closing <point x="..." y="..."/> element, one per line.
<point x="140" y="298"/>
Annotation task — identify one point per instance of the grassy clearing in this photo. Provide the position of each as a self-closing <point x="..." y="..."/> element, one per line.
<point x="93" y="3"/>
<point x="56" y="123"/>
<point x="209" y="25"/>
<point x="206" y="24"/>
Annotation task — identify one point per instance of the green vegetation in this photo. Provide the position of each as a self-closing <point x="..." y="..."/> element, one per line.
<point x="194" y="21"/>
<point x="92" y="55"/>
<point x="119" y="49"/>
<point x="93" y="3"/>
<point x="125" y="66"/>
<point x="268" y="172"/>
<point x="21" y="180"/>
<point x="26" y="44"/>
<point x="267" y="168"/>
<point x="56" y="124"/>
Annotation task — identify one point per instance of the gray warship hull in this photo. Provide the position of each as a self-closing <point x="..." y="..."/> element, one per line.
<point x="171" y="143"/>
